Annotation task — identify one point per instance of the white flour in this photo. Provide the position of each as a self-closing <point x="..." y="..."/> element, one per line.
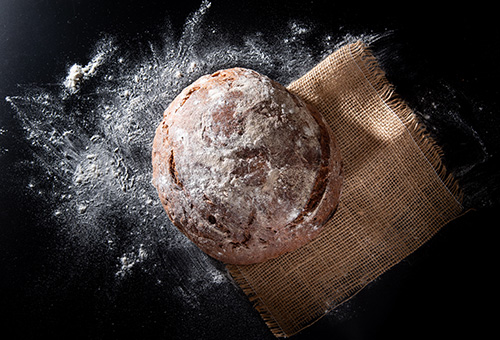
<point x="77" y="73"/>
<point x="129" y="260"/>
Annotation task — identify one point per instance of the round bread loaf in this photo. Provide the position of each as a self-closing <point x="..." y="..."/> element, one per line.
<point x="244" y="168"/>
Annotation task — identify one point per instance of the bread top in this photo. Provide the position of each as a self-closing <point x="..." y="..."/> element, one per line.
<point x="244" y="168"/>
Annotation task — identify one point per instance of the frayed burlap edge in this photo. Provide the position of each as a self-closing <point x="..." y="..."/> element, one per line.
<point x="431" y="151"/>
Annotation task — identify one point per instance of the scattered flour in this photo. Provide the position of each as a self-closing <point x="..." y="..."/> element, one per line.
<point x="92" y="138"/>
<point x="129" y="260"/>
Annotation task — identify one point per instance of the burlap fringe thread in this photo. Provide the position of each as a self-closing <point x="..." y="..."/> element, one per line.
<point x="421" y="137"/>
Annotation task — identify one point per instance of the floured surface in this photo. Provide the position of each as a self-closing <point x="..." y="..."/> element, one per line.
<point x="88" y="165"/>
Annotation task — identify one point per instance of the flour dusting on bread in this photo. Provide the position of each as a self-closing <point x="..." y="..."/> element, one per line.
<point x="236" y="161"/>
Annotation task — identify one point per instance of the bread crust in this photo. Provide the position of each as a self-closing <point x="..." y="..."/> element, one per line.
<point x="244" y="168"/>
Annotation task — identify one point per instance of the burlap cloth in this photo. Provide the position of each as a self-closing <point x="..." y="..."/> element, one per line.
<point x="396" y="195"/>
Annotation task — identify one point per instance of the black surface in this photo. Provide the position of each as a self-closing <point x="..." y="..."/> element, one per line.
<point x="437" y="58"/>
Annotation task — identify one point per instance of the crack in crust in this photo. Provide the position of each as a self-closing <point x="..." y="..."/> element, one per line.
<point x="173" y="171"/>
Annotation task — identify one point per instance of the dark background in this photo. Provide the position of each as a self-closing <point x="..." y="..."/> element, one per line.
<point x="446" y="288"/>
